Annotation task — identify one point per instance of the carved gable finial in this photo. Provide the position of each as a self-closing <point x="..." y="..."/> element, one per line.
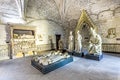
<point x="84" y="18"/>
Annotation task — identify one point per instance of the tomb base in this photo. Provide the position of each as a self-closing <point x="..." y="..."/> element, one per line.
<point x="48" y="68"/>
<point x="94" y="57"/>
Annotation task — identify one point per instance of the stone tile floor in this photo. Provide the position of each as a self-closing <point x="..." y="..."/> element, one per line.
<point x="80" y="69"/>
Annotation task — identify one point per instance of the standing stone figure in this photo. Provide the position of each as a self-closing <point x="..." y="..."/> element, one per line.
<point x="78" y="44"/>
<point x="70" y="42"/>
<point x="60" y="43"/>
<point x="95" y="43"/>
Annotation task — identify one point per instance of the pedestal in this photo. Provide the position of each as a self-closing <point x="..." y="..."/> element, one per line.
<point x="73" y="53"/>
<point x="94" y="57"/>
<point x="70" y="52"/>
<point x="48" y="68"/>
<point x="78" y="54"/>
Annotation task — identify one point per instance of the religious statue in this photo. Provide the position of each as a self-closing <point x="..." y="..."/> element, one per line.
<point x="95" y="43"/>
<point x="111" y="33"/>
<point x="78" y="44"/>
<point x="60" y="43"/>
<point x="70" y="42"/>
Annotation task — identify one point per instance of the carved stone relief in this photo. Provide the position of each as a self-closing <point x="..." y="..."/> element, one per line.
<point x="111" y="33"/>
<point x="40" y="37"/>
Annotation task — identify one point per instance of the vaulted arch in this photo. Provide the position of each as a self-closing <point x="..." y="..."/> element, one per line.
<point x="22" y="5"/>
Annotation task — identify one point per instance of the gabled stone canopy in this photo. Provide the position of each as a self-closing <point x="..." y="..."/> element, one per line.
<point x="84" y="18"/>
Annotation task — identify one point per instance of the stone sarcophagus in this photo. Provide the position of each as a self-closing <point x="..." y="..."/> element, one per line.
<point x="51" y="61"/>
<point x="22" y="40"/>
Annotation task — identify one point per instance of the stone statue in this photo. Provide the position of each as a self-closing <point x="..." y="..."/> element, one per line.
<point x="60" y="43"/>
<point x="70" y="42"/>
<point x="78" y="44"/>
<point x="95" y="43"/>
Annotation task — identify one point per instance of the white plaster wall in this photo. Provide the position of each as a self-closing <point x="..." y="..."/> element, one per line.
<point x="47" y="28"/>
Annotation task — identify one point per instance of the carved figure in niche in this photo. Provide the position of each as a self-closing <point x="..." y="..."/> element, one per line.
<point x="60" y="43"/>
<point x="95" y="43"/>
<point x="78" y="44"/>
<point x="70" y="42"/>
<point x="85" y="33"/>
<point x="111" y="33"/>
<point x="49" y="37"/>
<point x="40" y="37"/>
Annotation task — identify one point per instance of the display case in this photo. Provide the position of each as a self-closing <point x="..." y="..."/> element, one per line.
<point x="22" y="40"/>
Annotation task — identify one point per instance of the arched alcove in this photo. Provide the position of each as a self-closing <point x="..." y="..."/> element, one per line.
<point x="83" y="26"/>
<point x="85" y="33"/>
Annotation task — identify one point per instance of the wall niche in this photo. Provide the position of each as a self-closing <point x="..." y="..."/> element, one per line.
<point x="23" y="41"/>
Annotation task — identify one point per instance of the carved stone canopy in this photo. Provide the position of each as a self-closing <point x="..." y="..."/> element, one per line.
<point x="84" y="26"/>
<point x="84" y="19"/>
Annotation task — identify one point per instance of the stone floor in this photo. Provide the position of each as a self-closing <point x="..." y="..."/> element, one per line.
<point x="81" y="69"/>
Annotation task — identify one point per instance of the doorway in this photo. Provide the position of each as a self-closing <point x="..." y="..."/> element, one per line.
<point x="58" y="37"/>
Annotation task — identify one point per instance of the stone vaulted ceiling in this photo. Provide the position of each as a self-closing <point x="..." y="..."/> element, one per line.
<point x="46" y="9"/>
<point x="66" y="12"/>
<point x="7" y="8"/>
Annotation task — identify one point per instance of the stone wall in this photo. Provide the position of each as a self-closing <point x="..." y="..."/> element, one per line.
<point x="60" y="16"/>
<point x="45" y="30"/>
<point x="105" y="14"/>
<point x="44" y="16"/>
<point x="3" y="45"/>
